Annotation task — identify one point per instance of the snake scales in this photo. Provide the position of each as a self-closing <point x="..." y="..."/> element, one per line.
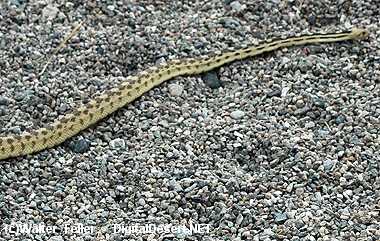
<point x="134" y="86"/>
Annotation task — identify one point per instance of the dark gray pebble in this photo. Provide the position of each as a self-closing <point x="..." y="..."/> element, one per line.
<point x="212" y="80"/>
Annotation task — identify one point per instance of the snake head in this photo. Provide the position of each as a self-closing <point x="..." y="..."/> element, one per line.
<point x="359" y="33"/>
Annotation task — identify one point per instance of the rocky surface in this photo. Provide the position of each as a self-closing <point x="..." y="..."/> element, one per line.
<point x="282" y="146"/>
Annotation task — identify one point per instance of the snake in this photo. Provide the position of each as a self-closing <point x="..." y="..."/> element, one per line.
<point x="134" y="86"/>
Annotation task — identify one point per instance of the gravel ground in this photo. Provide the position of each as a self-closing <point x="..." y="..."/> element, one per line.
<point x="282" y="146"/>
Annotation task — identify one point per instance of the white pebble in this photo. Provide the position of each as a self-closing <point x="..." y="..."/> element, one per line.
<point x="175" y="90"/>
<point x="117" y="143"/>
<point x="237" y="114"/>
<point x="49" y="12"/>
<point x="237" y="6"/>
<point x="111" y="7"/>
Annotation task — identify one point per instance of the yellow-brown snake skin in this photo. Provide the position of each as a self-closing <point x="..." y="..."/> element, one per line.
<point x="135" y="86"/>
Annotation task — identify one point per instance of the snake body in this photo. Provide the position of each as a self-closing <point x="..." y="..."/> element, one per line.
<point x="134" y="86"/>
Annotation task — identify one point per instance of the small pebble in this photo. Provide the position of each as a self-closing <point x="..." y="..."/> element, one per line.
<point x="4" y="101"/>
<point x="328" y="164"/>
<point x="280" y="217"/>
<point x="80" y="145"/>
<point x="50" y="12"/>
<point x="230" y="23"/>
<point x="117" y="143"/>
<point x="175" y="89"/>
<point x="212" y="80"/>
<point x="237" y="114"/>
<point x="237" y="6"/>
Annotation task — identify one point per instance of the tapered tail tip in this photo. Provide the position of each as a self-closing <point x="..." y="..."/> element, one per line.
<point x="359" y="33"/>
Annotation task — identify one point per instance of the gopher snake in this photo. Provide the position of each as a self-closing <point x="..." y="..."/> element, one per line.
<point x="135" y="86"/>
